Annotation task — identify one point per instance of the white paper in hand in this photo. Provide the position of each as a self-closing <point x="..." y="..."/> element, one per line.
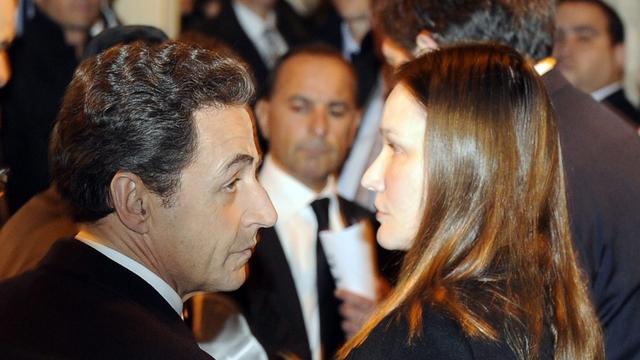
<point x="350" y="256"/>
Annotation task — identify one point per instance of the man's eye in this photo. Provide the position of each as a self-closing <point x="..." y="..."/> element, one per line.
<point x="231" y="185"/>
<point x="299" y="108"/>
<point x="338" y="112"/>
<point x="585" y="38"/>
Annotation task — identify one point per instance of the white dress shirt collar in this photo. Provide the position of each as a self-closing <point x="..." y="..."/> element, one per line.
<point x="605" y="91"/>
<point x="166" y="291"/>
<point x="297" y="195"/>
<point x="349" y="45"/>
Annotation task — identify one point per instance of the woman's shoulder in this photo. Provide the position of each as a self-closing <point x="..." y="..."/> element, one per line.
<point x="441" y="337"/>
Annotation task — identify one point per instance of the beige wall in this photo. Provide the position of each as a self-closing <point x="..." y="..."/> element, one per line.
<point x="629" y="10"/>
<point x="163" y="14"/>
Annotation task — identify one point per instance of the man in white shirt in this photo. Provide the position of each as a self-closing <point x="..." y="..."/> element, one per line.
<point x="154" y="151"/>
<point x="321" y="242"/>
<point x="589" y="47"/>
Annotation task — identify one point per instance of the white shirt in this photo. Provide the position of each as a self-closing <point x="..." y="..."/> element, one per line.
<point x="255" y="26"/>
<point x="166" y="291"/>
<point x="605" y="91"/>
<point x="349" y="45"/>
<point x="297" y="230"/>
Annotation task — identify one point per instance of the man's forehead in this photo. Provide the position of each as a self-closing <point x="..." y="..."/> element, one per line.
<point x="221" y="126"/>
<point x="315" y="79"/>
<point x="302" y="66"/>
<point x="580" y="14"/>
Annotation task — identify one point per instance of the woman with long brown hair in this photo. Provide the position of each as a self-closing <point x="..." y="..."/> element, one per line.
<point x="470" y="183"/>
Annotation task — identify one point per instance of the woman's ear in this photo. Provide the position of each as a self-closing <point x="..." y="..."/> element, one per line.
<point x="131" y="201"/>
<point x="424" y="43"/>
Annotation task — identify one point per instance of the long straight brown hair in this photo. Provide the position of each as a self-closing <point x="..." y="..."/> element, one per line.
<point x="494" y="240"/>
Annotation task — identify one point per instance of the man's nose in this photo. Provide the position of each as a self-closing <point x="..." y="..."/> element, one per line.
<point x="319" y="122"/>
<point x="264" y="213"/>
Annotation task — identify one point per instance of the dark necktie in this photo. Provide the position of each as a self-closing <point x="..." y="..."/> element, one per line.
<point x="331" y="334"/>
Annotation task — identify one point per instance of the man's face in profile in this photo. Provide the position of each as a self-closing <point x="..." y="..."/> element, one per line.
<point x="311" y="117"/>
<point x="207" y="234"/>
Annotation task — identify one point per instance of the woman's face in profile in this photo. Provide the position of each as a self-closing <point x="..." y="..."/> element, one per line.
<point x="397" y="175"/>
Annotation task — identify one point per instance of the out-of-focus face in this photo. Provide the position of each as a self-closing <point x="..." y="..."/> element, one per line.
<point x="204" y="240"/>
<point x="583" y="47"/>
<point x="7" y="21"/>
<point x="311" y="117"/>
<point x="398" y="173"/>
<point x="7" y="33"/>
<point x="394" y="54"/>
<point x="71" y="14"/>
<point x="352" y="9"/>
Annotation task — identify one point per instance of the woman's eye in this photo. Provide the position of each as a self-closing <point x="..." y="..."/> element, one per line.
<point x="396" y="149"/>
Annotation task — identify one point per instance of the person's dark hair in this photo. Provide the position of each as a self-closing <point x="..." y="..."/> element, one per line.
<point x="493" y="155"/>
<point x="526" y="25"/>
<point x="614" y="22"/>
<point x="131" y="108"/>
<point x="312" y="49"/>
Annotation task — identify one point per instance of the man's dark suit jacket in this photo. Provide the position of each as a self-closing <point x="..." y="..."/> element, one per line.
<point x="227" y="29"/>
<point x="270" y="302"/>
<point x="618" y="102"/>
<point x="601" y="155"/>
<point x="79" y="304"/>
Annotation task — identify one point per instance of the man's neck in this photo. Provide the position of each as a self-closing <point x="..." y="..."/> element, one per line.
<point x="359" y="27"/>
<point x="77" y="39"/>
<point x="110" y="232"/>
<point x="256" y="7"/>
<point x="316" y="185"/>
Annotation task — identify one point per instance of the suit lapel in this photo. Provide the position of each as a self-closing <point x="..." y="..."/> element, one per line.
<point x="84" y="262"/>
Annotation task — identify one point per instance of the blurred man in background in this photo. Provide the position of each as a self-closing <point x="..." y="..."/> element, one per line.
<point x="589" y="47"/>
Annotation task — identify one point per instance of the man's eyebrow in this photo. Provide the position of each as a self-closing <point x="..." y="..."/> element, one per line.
<point x="236" y="160"/>
<point x="585" y="29"/>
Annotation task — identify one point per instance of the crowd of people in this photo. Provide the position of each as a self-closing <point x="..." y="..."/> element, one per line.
<point x="393" y="179"/>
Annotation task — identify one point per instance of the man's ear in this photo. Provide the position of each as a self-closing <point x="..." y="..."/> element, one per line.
<point x="424" y="43"/>
<point x="618" y="54"/>
<point x="131" y="201"/>
<point x="262" y="117"/>
<point x="355" y="125"/>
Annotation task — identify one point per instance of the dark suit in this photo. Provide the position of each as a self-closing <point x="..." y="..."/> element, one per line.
<point x="226" y="28"/>
<point x="618" y="102"/>
<point x="79" y="304"/>
<point x="270" y="302"/>
<point x="366" y="62"/>
<point x="441" y="338"/>
<point x="601" y="155"/>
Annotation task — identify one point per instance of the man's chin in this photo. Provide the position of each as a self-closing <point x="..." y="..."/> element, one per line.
<point x="235" y="279"/>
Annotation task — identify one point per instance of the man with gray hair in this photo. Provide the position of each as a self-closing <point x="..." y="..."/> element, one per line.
<point x="154" y="151"/>
<point x="600" y="151"/>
